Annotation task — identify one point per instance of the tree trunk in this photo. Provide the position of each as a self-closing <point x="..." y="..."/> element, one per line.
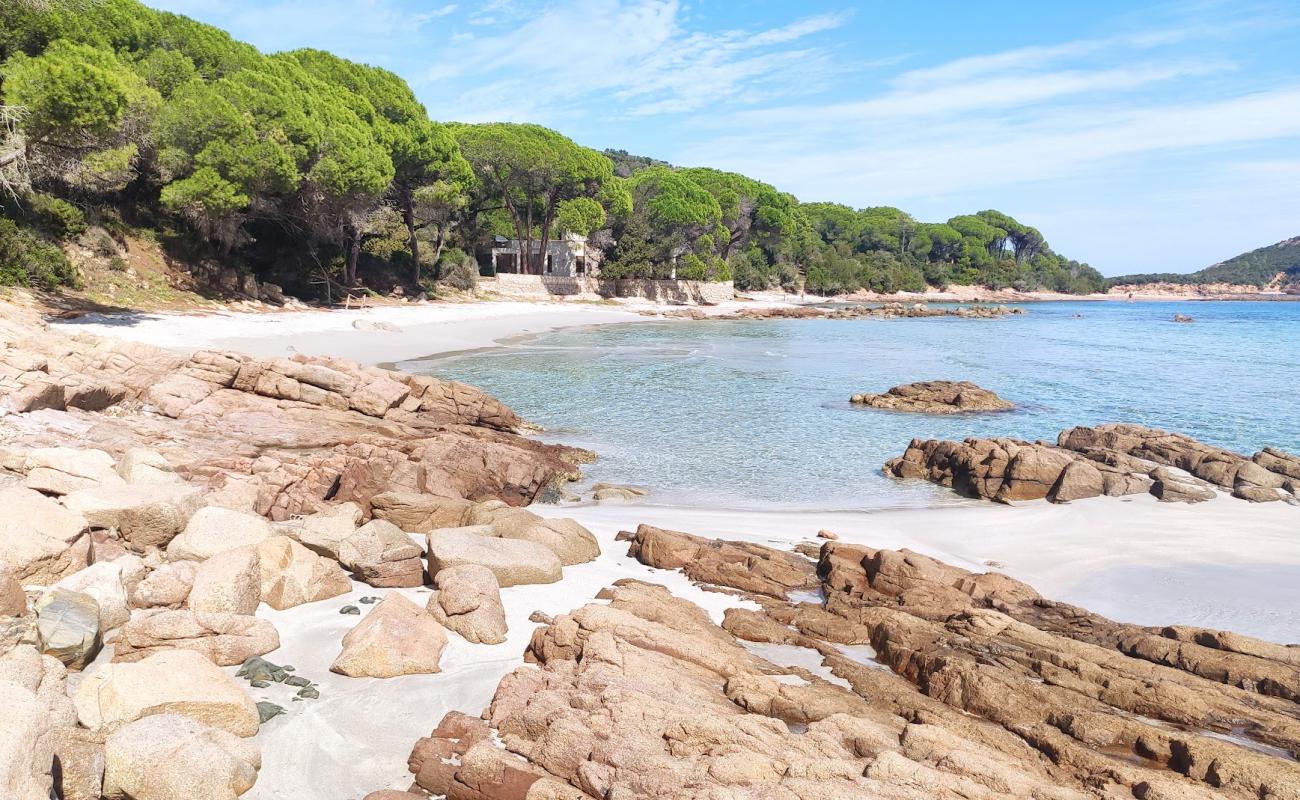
<point x="440" y="241"/>
<point x="408" y="214"/>
<point x="354" y="253"/>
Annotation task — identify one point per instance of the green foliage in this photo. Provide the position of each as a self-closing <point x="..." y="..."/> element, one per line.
<point x="28" y="260"/>
<point x="291" y="161"/>
<point x="457" y="269"/>
<point x="581" y="215"/>
<point x="1256" y="268"/>
<point x="57" y="218"/>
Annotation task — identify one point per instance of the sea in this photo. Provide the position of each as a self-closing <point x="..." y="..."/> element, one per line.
<point x="755" y="414"/>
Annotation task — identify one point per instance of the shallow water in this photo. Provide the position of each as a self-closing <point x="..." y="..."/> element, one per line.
<point x="756" y="413"/>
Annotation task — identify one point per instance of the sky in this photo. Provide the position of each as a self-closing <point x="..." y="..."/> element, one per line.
<point x="1139" y="137"/>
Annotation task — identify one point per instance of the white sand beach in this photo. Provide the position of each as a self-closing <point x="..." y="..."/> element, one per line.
<point x="1220" y="564"/>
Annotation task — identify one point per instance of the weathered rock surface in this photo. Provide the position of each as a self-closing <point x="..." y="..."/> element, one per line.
<point x="168" y="586"/>
<point x="174" y="757"/>
<point x="168" y="682"/>
<point x="67" y="627"/>
<point x="36" y="714"/>
<point x="229" y="582"/>
<point x="935" y="397"/>
<point x="294" y="434"/>
<point x="396" y="638"/>
<point x="752" y="568"/>
<point x="468" y="600"/>
<point x="13" y="600"/>
<point x="214" y="530"/>
<point x="224" y="639"/>
<point x="324" y="531"/>
<point x="146" y="515"/>
<point x="512" y="561"/>
<point x="39" y="537"/>
<point x="103" y="582"/>
<point x="975" y="687"/>
<point x="383" y="555"/>
<point x="1112" y="460"/>
<point x="291" y="575"/>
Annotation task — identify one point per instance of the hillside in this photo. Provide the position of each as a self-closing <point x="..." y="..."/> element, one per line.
<point x="1259" y="268"/>
<point x="303" y="170"/>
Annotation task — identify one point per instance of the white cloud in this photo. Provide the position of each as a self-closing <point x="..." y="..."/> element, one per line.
<point x="635" y="55"/>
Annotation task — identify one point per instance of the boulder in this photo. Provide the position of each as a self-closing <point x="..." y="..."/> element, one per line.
<point x="224" y="639"/>
<point x="512" y="561"/>
<point x="1079" y="480"/>
<point x="379" y="395"/>
<point x="935" y="397"/>
<point x="167" y="586"/>
<point x="67" y="627"/>
<point x="13" y="600"/>
<point x="396" y="638"/>
<point x="1279" y="462"/>
<point x="61" y="470"/>
<point x="215" y="530"/>
<point x="145" y="515"/>
<point x="325" y="530"/>
<point x="1255" y="494"/>
<point x="26" y="747"/>
<point x="142" y="466"/>
<point x="292" y="575"/>
<point x="103" y="582"/>
<point x="230" y="582"/>
<point x="175" y="757"/>
<point x="468" y="600"/>
<point x="37" y="537"/>
<point x="383" y="555"/>
<point x="421" y="513"/>
<point x="172" y="681"/>
<point x="573" y="543"/>
<point x="1171" y="491"/>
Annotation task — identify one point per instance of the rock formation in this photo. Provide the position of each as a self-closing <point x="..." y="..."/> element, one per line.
<point x="935" y="397"/>
<point x="1113" y="459"/>
<point x="912" y="679"/>
<point x="893" y="310"/>
<point x="468" y="600"/>
<point x="396" y="638"/>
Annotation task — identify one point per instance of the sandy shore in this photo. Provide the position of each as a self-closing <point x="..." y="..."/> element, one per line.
<point x="371" y="335"/>
<point x="1221" y="564"/>
<point x="1139" y="561"/>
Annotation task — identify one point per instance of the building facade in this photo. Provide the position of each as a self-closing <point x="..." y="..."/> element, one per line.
<point x="569" y="257"/>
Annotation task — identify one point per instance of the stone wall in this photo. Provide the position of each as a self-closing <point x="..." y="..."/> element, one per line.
<point x="703" y="292"/>
<point x="588" y="288"/>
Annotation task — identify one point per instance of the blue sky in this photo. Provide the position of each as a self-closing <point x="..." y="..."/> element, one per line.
<point x="1137" y="137"/>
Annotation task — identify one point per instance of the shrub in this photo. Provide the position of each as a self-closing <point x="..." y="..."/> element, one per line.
<point x="457" y="270"/>
<point x="57" y="218"/>
<point x="28" y="260"/>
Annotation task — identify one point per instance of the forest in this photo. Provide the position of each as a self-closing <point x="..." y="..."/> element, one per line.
<point x="320" y="174"/>
<point x="1259" y="267"/>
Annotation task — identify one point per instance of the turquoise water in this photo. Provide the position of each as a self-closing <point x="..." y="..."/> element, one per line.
<point x="756" y="413"/>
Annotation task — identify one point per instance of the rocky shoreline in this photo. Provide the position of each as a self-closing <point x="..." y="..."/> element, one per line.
<point x="1114" y="460"/>
<point x="893" y="310"/>
<point x="173" y="518"/>
<point x="906" y="678"/>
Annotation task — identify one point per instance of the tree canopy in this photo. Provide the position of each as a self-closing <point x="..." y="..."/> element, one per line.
<point x="321" y="171"/>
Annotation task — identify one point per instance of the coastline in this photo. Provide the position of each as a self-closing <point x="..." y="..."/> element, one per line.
<point x="1056" y="548"/>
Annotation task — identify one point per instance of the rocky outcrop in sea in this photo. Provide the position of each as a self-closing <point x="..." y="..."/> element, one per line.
<point x="935" y="397"/>
<point x="885" y="311"/>
<point x="1114" y="460"/>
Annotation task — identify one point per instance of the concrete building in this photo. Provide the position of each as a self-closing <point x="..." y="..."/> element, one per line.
<point x="569" y="257"/>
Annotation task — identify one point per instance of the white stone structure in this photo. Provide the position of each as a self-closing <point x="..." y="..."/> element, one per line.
<point x="570" y="257"/>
